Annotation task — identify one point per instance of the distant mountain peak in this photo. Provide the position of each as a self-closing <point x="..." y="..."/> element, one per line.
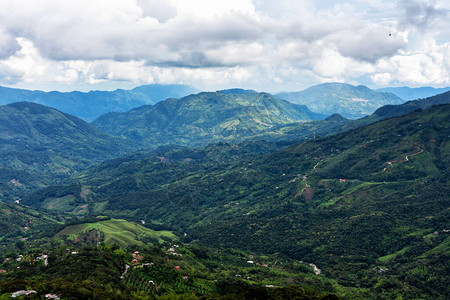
<point x="91" y="105"/>
<point x="348" y="100"/>
<point x="335" y="117"/>
<point x="237" y="91"/>
<point x="408" y="93"/>
<point x="204" y="118"/>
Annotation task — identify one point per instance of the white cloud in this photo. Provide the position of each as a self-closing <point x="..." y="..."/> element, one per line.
<point x="430" y="65"/>
<point x="26" y="64"/>
<point x="211" y="9"/>
<point x="381" y="78"/>
<point x="162" y="10"/>
<point x="208" y="43"/>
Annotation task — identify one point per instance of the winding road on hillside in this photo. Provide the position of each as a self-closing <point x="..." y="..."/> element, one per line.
<point x="390" y="163"/>
<point x="304" y="179"/>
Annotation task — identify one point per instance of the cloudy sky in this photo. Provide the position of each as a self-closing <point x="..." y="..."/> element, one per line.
<point x="282" y="45"/>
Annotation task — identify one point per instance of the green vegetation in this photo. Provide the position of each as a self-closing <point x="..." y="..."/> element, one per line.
<point x="348" y="100"/>
<point x="158" y="272"/>
<point x="341" y="202"/>
<point x="24" y="228"/>
<point x="388" y="257"/>
<point x="119" y="232"/>
<point x="362" y="214"/>
<point x="40" y="146"/>
<point x="204" y="118"/>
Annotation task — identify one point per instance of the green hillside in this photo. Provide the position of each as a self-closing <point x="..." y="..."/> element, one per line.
<point x="356" y="204"/>
<point x="22" y="228"/>
<point x="389" y="111"/>
<point x="91" y="105"/>
<point x="114" y="231"/>
<point x="41" y="145"/>
<point x="204" y="118"/>
<point x="158" y="272"/>
<point x="300" y="132"/>
<point x="350" y="101"/>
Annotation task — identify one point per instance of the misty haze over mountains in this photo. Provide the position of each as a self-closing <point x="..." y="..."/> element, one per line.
<point x="91" y="105"/>
<point x="350" y="101"/>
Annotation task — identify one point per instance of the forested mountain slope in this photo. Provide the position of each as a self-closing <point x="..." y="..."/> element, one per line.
<point x="39" y="145"/>
<point x="389" y="111"/>
<point x="369" y="207"/>
<point x="336" y="123"/>
<point x="350" y="101"/>
<point x="204" y="118"/>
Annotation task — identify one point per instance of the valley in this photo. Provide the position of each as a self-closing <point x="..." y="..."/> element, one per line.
<point x="40" y="145"/>
<point x="251" y="196"/>
<point x="224" y="150"/>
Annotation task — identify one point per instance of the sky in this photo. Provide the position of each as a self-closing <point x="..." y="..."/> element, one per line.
<point x="272" y="46"/>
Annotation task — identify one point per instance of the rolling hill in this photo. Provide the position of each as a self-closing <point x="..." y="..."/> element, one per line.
<point x="204" y="118"/>
<point x="41" y="145"/>
<point x="349" y="101"/>
<point x="334" y="124"/>
<point x="389" y="111"/>
<point x="20" y="224"/>
<point x="91" y="105"/>
<point x="115" y="231"/>
<point x="369" y="207"/>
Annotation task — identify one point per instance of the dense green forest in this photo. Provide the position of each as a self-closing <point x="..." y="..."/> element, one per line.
<point x="204" y="118"/>
<point x="40" y="146"/>
<point x="158" y="272"/>
<point x="369" y="207"/>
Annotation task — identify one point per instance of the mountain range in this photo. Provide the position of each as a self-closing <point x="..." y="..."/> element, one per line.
<point x="408" y="93"/>
<point x="249" y="184"/>
<point x="40" y="145"/>
<point x="350" y="101"/>
<point x="336" y="123"/>
<point x="91" y="105"/>
<point x="204" y="118"/>
<point x="389" y="111"/>
<point x="365" y="200"/>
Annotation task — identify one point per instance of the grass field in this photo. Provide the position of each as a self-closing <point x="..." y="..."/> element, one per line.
<point x="120" y="232"/>
<point x="60" y="204"/>
<point x="393" y="255"/>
